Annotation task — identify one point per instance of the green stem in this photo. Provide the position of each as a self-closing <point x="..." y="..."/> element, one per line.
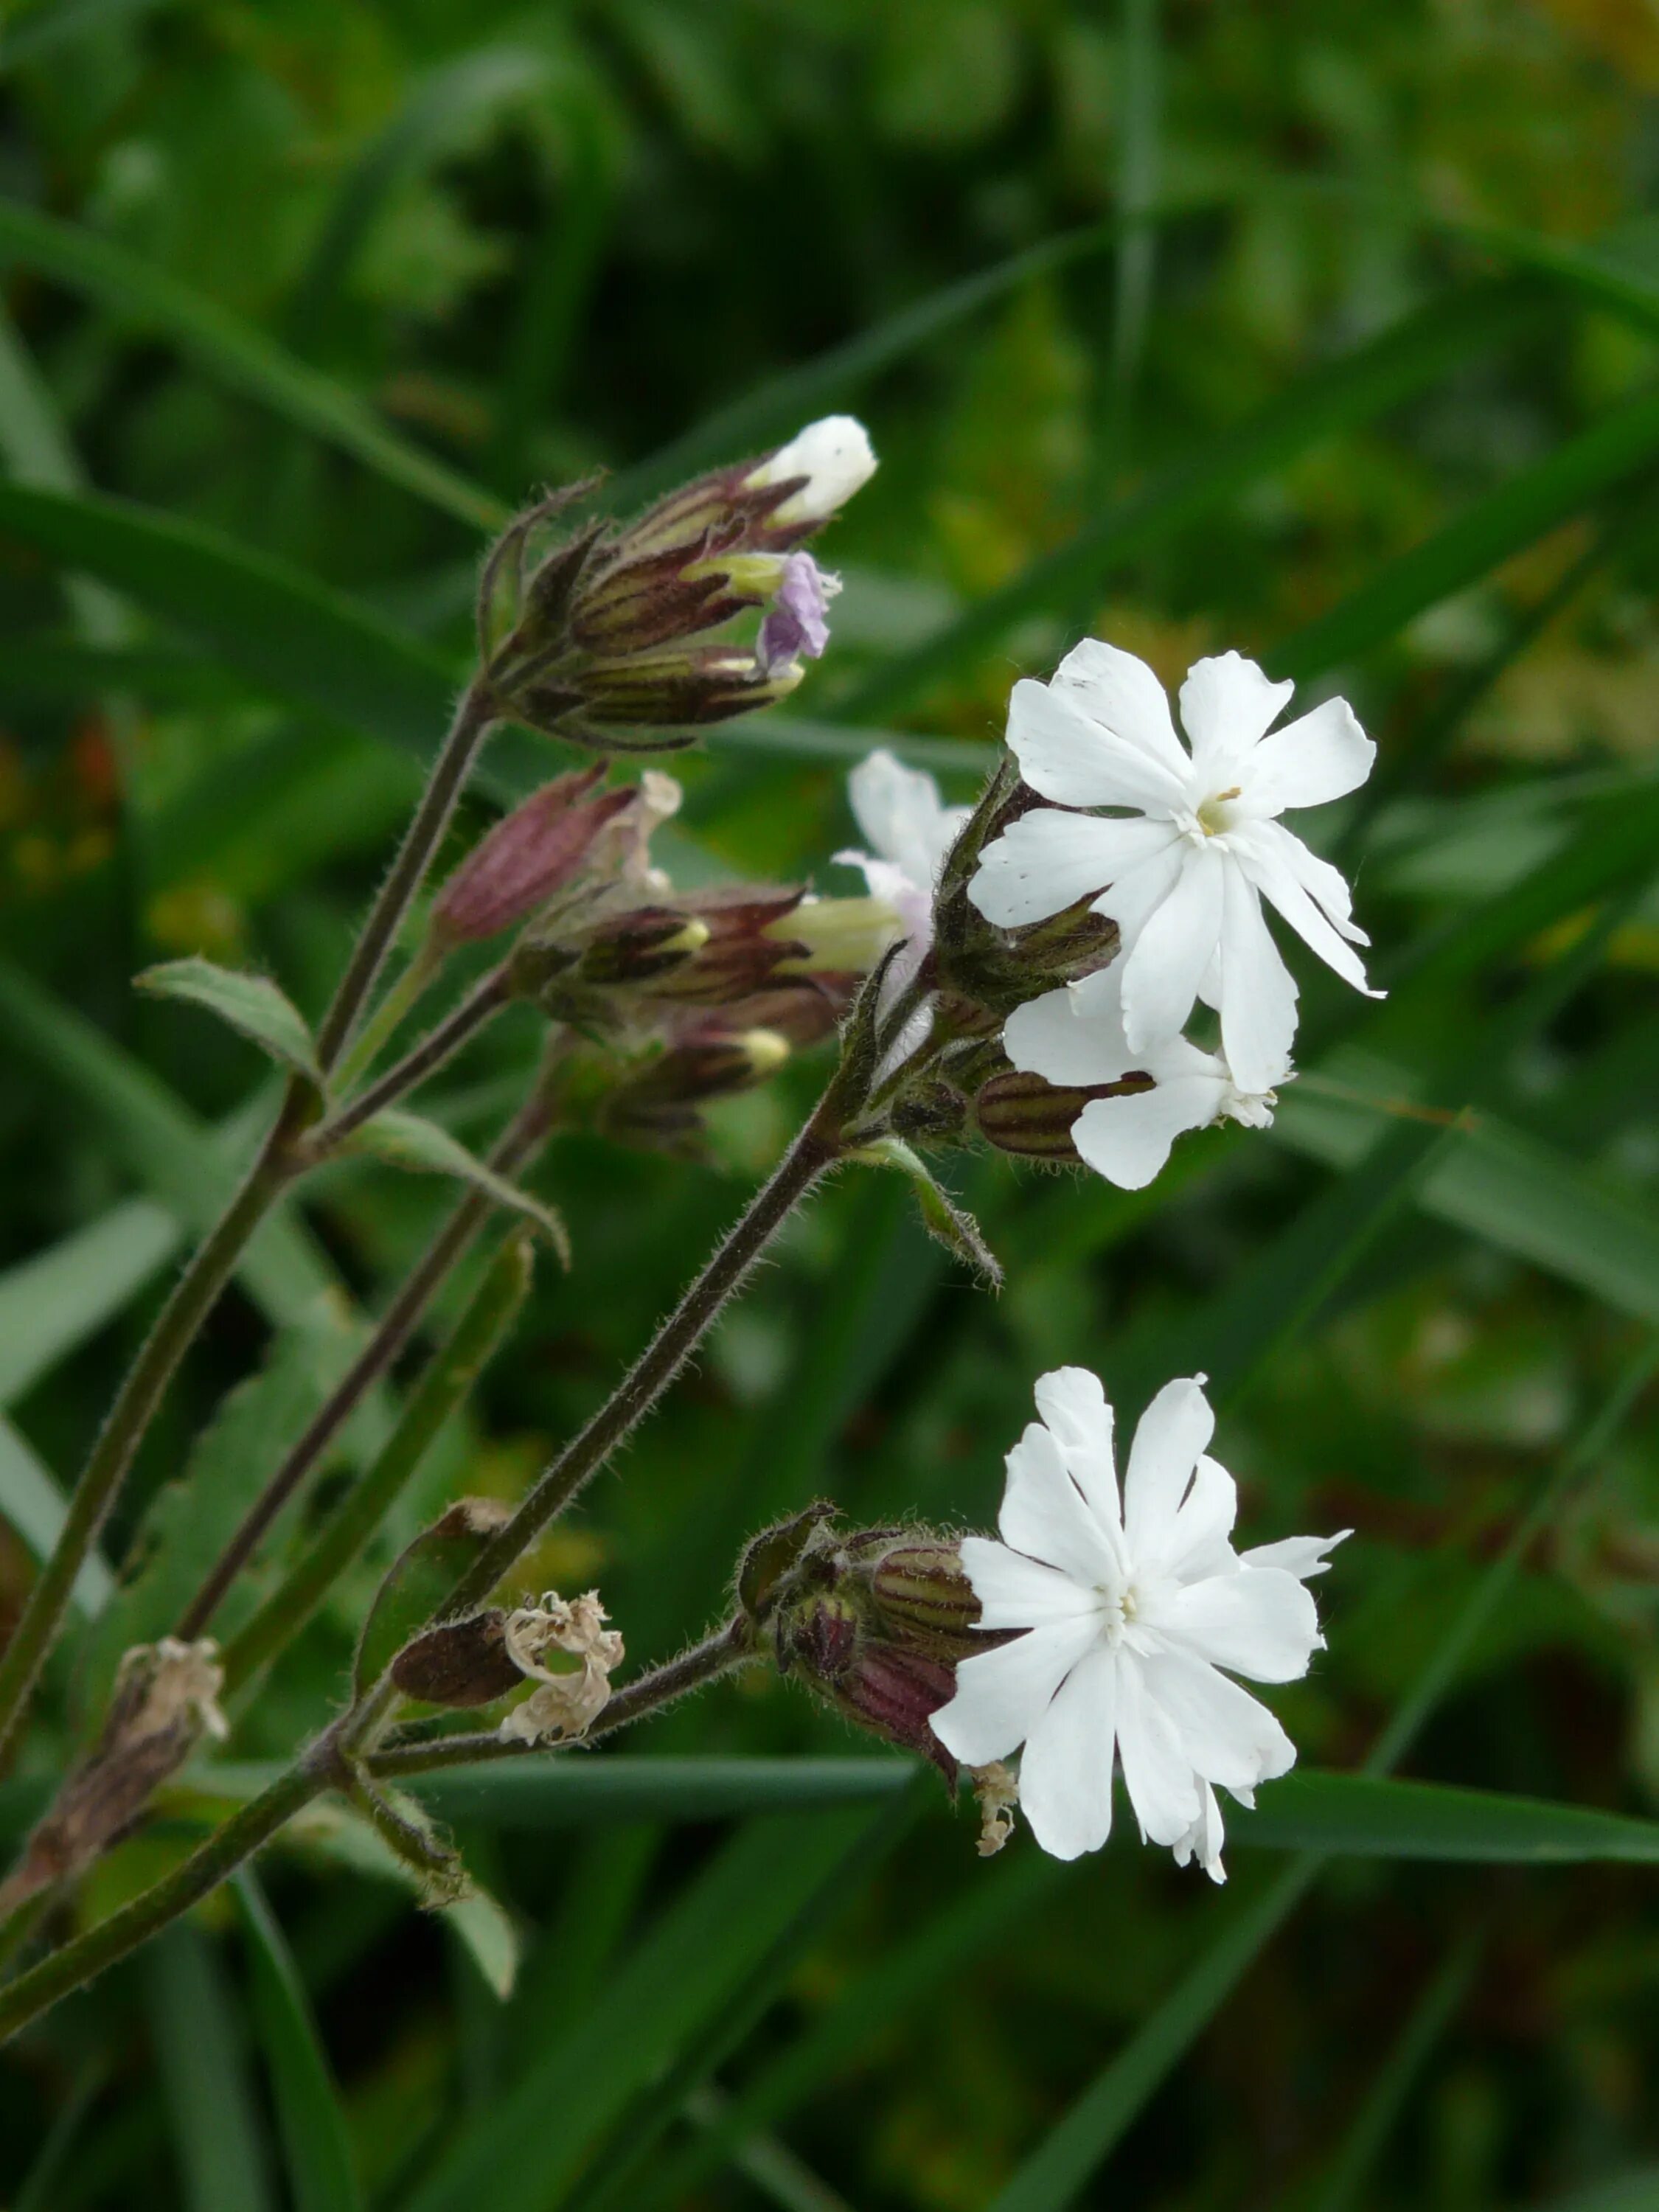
<point x="192" y="1298"/>
<point x="481" y="1005"/>
<point x="398" y="893"/>
<point x="383" y="1023"/>
<point x="814" y="1152"/>
<point x="448" y="1379"/>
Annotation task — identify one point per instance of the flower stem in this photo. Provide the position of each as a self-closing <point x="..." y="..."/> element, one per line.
<point x="519" y="1142"/>
<point x="383" y="1023"/>
<point x="397" y="894"/>
<point x="175" y="1327"/>
<point x="480" y="1006"/>
<point x="814" y="1151"/>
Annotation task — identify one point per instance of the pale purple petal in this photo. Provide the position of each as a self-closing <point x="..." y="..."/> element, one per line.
<point x="1258" y="992"/>
<point x="1001" y="1694"/>
<point x="1049" y="859"/>
<point x="1074" y="1411"/>
<point x="1226" y="702"/>
<point x="1044" y="1515"/>
<point x="1127" y="1139"/>
<point x="1227" y="1735"/>
<point x="1173" y="1431"/>
<point x="1262" y="1624"/>
<point x="1161" y="1785"/>
<point x="1066" y="1769"/>
<point x="1320" y="756"/>
<point x="1174" y="946"/>
<point x="797" y="624"/>
<point x="1015" y="1592"/>
<point x="1068" y="755"/>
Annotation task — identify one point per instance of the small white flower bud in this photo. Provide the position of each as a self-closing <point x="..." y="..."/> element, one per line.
<point x="835" y="456"/>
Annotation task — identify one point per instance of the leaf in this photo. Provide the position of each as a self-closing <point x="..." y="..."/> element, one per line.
<point x="51" y="1304"/>
<point x="546" y="1793"/>
<point x="484" y="1930"/>
<point x="1363" y="1816"/>
<point x="253" y="1005"/>
<point x="313" y="2131"/>
<point x="950" y="1224"/>
<point x="236" y="354"/>
<point x="409" y="1140"/>
<point x="34" y="1505"/>
<point x="419" y="1580"/>
<point x="664" y="2017"/>
<point x="1418" y="351"/>
<point x="199" y="2035"/>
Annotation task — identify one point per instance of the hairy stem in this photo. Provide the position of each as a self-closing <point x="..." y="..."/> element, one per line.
<point x="814" y="1152"/>
<point x="519" y="1142"/>
<point x="397" y="894"/>
<point x="377" y="1032"/>
<point x="174" y="1330"/>
<point x="481" y="1005"/>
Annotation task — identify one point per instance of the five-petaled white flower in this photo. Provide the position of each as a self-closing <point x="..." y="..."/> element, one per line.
<point x="1184" y="868"/>
<point x="1074" y="1037"/>
<point x="1130" y="1614"/>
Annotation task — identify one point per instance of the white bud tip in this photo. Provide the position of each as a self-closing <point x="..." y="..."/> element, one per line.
<point x="836" y="457"/>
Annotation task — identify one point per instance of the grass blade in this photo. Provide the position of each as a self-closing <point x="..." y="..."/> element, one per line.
<point x="320" y="2164"/>
<point x="33" y="1504"/>
<point x="545" y="1794"/>
<point x="1363" y="1816"/>
<point x="216" y="2128"/>
<point x="51" y="1304"/>
<point x="234" y="353"/>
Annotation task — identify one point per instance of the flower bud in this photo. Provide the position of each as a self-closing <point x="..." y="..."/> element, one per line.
<point x="686" y="690"/>
<point x="822" y="465"/>
<point x="841" y="936"/>
<point x="536" y="851"/>
<point x="1022" y="1114"/>
<point x="458" y="1662"/>
<point x="804" y="1009"/>
<point x="655" y="1104"/>
<point x="640" y="947"/>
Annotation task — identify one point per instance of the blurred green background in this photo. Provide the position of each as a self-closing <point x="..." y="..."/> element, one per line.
<point x="1326" y="334"/>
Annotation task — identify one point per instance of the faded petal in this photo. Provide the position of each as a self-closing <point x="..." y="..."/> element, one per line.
<point x="1262" y="1624"/>
<point x="1173" y="1431"/>
<point x="1127" y="1139"/>
<point x="1074" y="1407"/>
<point x="1258" y="992"/>
<point x="1047" y="860"/>
<point x="1044" y="1516"/>
<point x="1321" y="756"/>
<point x="1066" y="1770"/>
<point x="1002" y="1695"/>
<point x="1226" y="703"/>
<point x="1161" y="1785"/>
<point x="1070" y="754"/>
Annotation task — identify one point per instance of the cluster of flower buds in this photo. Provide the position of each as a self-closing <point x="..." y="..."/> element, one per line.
<point x="606" y="636"/>
<point x="873" y="1622"/>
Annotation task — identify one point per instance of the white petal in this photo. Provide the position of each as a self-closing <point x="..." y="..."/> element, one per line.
<point x="901" y="814"/>
<point x="1204" y="1839"/>
<point x="1044" y="1516"/>
<point x="1073" y="1406"/>
<point x="1325" y="886"/>
<point x="1301" y="1556"/>
<point x="1002" y="1695"/>
<point x="834" y="454"/>
<point x="1262" y="1624"/>
<point x="1319" y="756"/>
<point x="1229" y="1736"/>
<point x="1051" y="1037"/>
<point x="1069" y="754"/>
<point x="1161" y="1785"/>
<point x="1066" y="1770"/>
<point x="1258" y="992"/>
<point x="1259" y="849"/>
<point x="1123" y="696"/>
<point x="1198" y="1544"/>
<point x="1132" y="897"/>
<point x="1226" y="702"/>
<point x="1048" y="858"/>
<point x="1127" y="1138"/>
<point x="1173" y="947"/>
<point x="1174" y="1430"/>
<point x="1015" y="1592"/>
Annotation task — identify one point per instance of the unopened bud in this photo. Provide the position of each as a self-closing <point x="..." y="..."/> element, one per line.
<point x="832" y="458"/>
<point x="1019" y="1113"/>
<point x="922" y="1592"/>
<point x="534" y="852"/>
<point x="640" y="947"/>
<point x="708" y="1062"/>
<point x="687" y="689"/>
<point x="844" y="936"/>
<point x="458" y="1662"/>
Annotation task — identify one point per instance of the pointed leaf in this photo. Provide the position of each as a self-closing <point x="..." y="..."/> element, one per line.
<point x="314" y="2128"/>
<point x="259" y="1009"/>
<point x="209" y="2095"/>
<point x="410" y="1140"/>
<point x="943" y="1219"/>
<point x="1363" y="1816"/>
<point x="418" y="1582"/>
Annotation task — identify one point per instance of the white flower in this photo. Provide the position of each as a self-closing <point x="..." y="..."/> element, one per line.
<point x="1074" y="1036"/>
<point x="900" y="813"/>
<point x="1130" y="1616"/>
<point x="1183" y="871"/>
<point x="835" y="456"/>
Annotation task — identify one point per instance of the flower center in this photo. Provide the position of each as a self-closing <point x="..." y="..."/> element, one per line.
<point x="1120" y="1604"/>
<point x="1214" y="817"/>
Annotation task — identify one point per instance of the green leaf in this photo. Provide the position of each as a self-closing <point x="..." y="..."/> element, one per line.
<point x="1363" y="1816"/>
<point x="1417" y="352"/>
<point x="234" y="354"/>
<point x="540" y="1795"/>
<point x="409" y="1140"/>
<point x="199" y="2035"/>
<point x="950" y="1224"/>
<point x="320" y="2164"/>
<point x="663" y="2018"/>
<point x="253" y="1005"/>
<point x="419" y="1580"/>
<point x="51" y="1304"/>
<point x="176" y="1154"/>
<point x="34" y="1505"/>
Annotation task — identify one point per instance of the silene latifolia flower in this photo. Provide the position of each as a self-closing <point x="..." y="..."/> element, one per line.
<point x="1194" y="843"/>
<point x="1133" y="1616"/>
<point x="909" y="830"/>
